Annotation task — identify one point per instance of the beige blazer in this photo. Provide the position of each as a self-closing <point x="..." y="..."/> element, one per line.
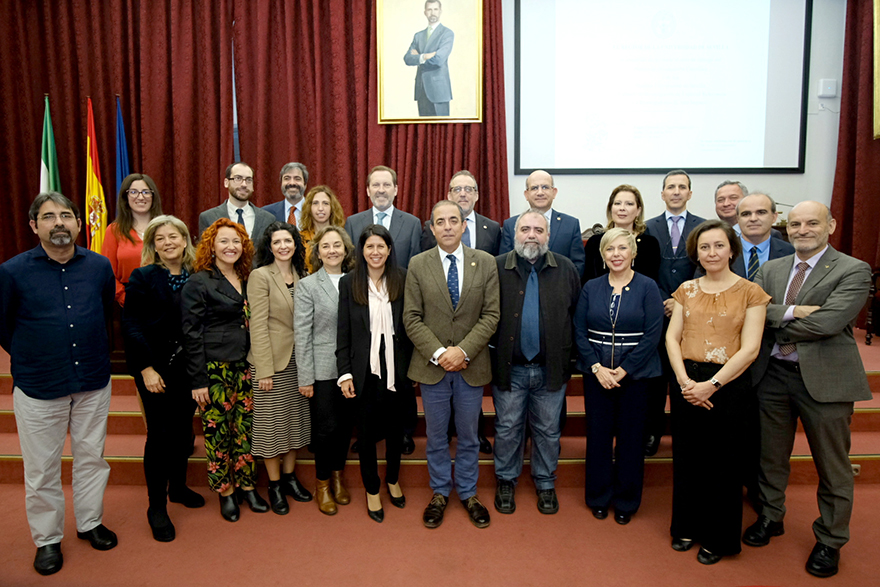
<point x="431" y="322"/>
<point x="271" y="322"/>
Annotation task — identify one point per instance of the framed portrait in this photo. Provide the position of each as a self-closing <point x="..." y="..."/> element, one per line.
<point x="430" y="55"/>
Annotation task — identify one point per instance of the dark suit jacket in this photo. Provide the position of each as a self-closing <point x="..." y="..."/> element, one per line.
<point x="778" y="249"/>
<point x="277" y="210"/>
<point x="565" y="237"/>
<point x="431" y="322"/>
<point x="676" y="268"/>
<point x="488" y="235"/>
<point x="262" y="220"/>
<point x="213" y="323"/>
<point x="353" y="340"/>
<point x="406" y="231"/>
<point x="829" y="359"/>
<point x="433" y="74"/>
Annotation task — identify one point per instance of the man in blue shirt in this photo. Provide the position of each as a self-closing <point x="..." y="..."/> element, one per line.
<point x="54" y="301"/>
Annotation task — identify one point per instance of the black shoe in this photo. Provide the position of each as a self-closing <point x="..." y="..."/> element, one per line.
<point x="229" y="508"/>
<point x="600" y="513"/>
<point x="652" y="445"/>
<point x="49" y="559"/>
<point x="409" y="446"/>
<point x="547" y="501"/>
<point x="187" y="497"/>
<point x="433" y="515"/>
<point x="823" y="561"/>
<point x="398" y="502"/>
<point x="277" y="500"/>
<point x="99" y="537"/>
<point x="257" y="504"/>
<point x="759" y="533"/>
<point x="682" y="544"/>
<point x="485" y="445"/>
<point x="160" y="524"/>
<point x="291" y="486"/>
<point x="477" y="512"/>
<point x="704" y="557"/>
<point x="375" y="515"/>
<point x="622" y="518"/>
<point x="504" y="497"/>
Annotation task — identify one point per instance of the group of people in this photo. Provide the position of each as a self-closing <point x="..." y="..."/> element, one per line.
<point x="291" y="325"/>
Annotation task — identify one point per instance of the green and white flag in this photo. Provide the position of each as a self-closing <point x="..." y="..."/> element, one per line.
<point x="49" y="180"/>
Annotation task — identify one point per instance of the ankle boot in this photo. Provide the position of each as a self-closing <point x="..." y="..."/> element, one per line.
<point x="340" y="493"/>
<point x="277" y="500"/>
<point x="254" y="500"/>
<point x="229" y="507"/>
<point x="323" y="497"/>
<point x="291" y="486"/>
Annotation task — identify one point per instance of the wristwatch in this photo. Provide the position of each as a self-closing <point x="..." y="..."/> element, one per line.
<point x="595" y="368"/>
<point x="716" y="383"/>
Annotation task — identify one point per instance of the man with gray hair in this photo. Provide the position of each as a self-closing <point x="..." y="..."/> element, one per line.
<point x="294" y="179"/>
<point x="727" y="195"/>
<point x="55" y="302"/>
<point x="531" y="362"/>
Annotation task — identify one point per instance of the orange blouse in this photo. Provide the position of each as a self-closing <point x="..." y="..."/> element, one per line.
<point x="124" y="256"/>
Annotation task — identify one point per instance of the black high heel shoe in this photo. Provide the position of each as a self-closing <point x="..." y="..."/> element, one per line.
<point x="229" y="508"/>
<point x="375" y="515"/>
<point x="254" y="501"/>
<point x="398" y="502"/>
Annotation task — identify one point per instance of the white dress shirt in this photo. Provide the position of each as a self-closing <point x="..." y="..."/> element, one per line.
<point x="248" y="214"/>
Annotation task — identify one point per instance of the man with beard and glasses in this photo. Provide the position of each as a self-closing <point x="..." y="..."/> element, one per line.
<point x="238" y="207"/>
<point x="55" y="301"/>
<point x="531" y="362"/>
<point x="294" y="181"/>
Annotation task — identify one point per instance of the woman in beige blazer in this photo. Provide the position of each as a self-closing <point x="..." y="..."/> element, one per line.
<point x="281" y="413"/>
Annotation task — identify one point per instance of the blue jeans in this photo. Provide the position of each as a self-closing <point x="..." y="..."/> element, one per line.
<point x="467" y="401"/>
<point x="528" y="397"/>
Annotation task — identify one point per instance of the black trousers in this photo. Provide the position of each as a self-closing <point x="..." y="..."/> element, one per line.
<point x="707" y="454"/>
<point x="169" y="435"/>
<point x="332" y="425"/>
<point x="381" y="414"/>
<point x="658" y="389"/>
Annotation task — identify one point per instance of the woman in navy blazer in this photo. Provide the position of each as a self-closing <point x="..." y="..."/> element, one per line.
<point x="156" y="359"/>
<point x="618" y="323"/>
<point x="370" y="331"/>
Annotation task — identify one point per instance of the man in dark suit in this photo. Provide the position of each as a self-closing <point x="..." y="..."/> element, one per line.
<point x="727" y="196"/>
<point x="238" y="208"/>
<point x="810" y="369"/>
<point x="429" y="52"/>
<point x="565" y="230"/>
<point x="756" y="214"/>
<point x="294" y="181"/>
<point x="450" y="312"/>
<point x="480" y="232"/>
<point x="405" y="229"/>
<point x="671" y="230"/>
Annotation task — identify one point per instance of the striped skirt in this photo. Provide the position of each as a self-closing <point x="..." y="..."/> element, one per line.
<point x="281" y="417"/>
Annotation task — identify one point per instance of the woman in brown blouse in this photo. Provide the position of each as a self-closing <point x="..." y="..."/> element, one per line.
<point x="713" y="337"/>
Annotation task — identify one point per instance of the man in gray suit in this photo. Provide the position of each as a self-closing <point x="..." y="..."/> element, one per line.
<point x="429" y="52"/>
<point x="405" y="229"/>
<point x="294" y="181"/>
<point x="811" y="369"/>
<point x="238" y="208"/>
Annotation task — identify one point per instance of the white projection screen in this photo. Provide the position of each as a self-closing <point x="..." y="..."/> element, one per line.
<point x="639" y="86"/>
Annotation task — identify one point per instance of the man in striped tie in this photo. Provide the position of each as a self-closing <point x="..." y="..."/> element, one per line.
<point x="756" y="214"/>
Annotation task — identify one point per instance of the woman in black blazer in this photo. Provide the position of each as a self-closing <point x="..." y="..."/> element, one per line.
<point x="372" y="356"/>
<point x="215" y="322"/>
<point x="156" y="360"/>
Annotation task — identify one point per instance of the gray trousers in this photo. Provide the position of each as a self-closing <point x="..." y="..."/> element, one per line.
<point x="782" y="399"/>
<point x="42" y="430"/>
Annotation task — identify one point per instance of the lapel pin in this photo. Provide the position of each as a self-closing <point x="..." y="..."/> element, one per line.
<point x="626" y="288"/>
<point x="473" y="264"/>
<point x="559" y="218"/>
<point x="485" y="227"/>
<point x="827" y="266"/>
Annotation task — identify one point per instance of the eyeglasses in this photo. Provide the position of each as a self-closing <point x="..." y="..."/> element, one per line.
<point x="144" y="193"/>
<point x="465" y="188"/>
<point x="239" y="179"/>
<point x="536" y="188"/>
<point x="64" y="216"/>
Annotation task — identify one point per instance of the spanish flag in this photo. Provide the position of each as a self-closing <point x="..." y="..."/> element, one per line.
<point x="96" y="208"/>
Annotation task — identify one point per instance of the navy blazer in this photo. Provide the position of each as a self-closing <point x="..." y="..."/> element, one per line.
<point x="675" y="268"/>
<point x="488" y="237"/>
<point x="277" y="209"/>
<point x="565" y="237"/>
<point x="641" y="310"/>
<point x="778" y="249"/>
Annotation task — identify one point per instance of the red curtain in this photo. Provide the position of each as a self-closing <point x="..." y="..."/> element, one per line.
<point x="311" y="95"/>
<point x="855" y="203"/>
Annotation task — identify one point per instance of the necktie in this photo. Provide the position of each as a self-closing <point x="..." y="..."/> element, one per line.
<point x="790" y="296"/>
<point x="529" y="328"/>
<point x="291" y="216"/>
<point x="452" y="280"/>
<point x="753" y="264"/>
<point x="466" y="237"/>
<point x="428" y="36"/>
<point x="240" y="213"/>
<point x="675" y="233"/>
<point x="381" y="216"/>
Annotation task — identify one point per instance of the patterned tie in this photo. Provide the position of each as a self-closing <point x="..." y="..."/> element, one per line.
<point x="753" y="264"/>
<point x="676" y="233"/>
<point x="793" y="289"/>
<point x="452" y="281"/>
<point x="530" y="326"/>
<point x="240" y="213"/>
<point x="291" y="216"/>
<point x="381" y="216"/>
<point x="466" y="237"/>
<point x="428" y="36"/>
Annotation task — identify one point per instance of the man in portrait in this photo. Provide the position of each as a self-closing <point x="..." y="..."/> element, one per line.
<point x="429" y="52"/>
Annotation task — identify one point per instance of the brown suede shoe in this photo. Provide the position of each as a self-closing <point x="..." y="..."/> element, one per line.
<point x="323" y="497"/>
<point x="340" y="493"/>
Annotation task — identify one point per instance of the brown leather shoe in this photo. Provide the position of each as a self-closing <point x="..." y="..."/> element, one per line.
<point x="324" y="498"/>
<point x="340" y="493"/>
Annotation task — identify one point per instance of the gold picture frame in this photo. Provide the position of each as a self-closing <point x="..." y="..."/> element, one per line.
<point x="454" y="67"/>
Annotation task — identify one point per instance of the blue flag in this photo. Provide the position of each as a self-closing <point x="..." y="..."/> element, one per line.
<point x="123" y="168"/>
